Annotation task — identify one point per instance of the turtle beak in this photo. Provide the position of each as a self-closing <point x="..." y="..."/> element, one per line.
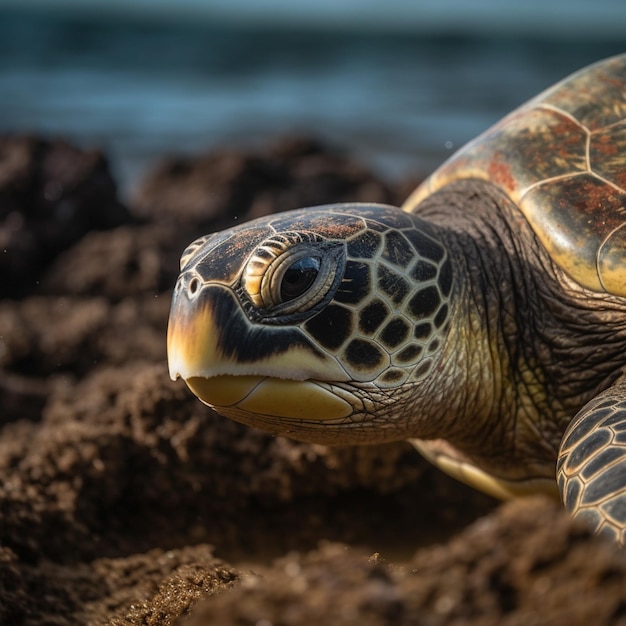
<point x="192" y="348"/>
<point x="209" y="335"/>
<point x="226" y="360"/>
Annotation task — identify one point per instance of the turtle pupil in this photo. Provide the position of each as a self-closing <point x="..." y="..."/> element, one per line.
<point x="299" y="277"/>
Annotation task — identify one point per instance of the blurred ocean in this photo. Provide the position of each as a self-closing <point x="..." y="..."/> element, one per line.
<point x="401" y="89"/>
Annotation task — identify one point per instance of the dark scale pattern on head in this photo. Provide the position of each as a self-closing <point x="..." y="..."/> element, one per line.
<point x="398" y="251"/>
<point x="395" y="332"/>
<point x="426" y="247"/>
<point x="220" y="257"/>
<point x="422" y="331"/>
<point x="408" y="354"/>
<point x="372" y="316"/>
<point x="365" y="353"/>
<point x="433" y="346"/>
<point x="396" y="283"/>
<point x="356" y="285"/>
<point x="331" y="326"/>
<point x="422" y="369"/>
<point x="445" y="278"/>
<point x="391" y="305"/>
<point x="423" y="271"/>
<point x="392" y="284"/>
<point x="247" y="342"/>
<point x="424" y="303"/>
<point x="365" y="246"/>
<point x="442" y="316"/>
<point x="394" y="376"/>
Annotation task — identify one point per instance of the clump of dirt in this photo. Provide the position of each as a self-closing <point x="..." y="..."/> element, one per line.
<point x="500" y="570"/>
<point x="124" y="501"/>
<point x="51" y="194"/>
<point x="225" y="187"/>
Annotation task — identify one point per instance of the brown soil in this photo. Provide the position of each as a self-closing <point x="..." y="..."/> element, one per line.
<point x="125" y="501"/>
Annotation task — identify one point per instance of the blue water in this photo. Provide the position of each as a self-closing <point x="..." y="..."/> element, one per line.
<point x="141" y="89"/>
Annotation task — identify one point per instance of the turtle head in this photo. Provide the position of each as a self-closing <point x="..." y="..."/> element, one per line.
<point x="312" y="322"/>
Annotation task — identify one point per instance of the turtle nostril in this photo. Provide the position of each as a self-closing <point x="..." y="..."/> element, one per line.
<point x="194" y="287"/>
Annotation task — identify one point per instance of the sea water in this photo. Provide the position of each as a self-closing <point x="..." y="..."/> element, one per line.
<point x="399" y="99"/>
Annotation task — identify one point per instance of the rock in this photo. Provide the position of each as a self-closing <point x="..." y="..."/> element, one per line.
<point x="225" y="187"/>
<point x="51" y="194"/>
<point x="118" y="264"/>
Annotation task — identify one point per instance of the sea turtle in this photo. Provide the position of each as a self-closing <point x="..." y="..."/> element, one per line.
<point x="485" y="321"/>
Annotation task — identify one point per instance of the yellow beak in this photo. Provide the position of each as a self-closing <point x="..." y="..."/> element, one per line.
<point x="287" y="384"/>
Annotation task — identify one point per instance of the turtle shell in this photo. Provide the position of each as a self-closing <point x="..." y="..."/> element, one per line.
<point x="561" y="158"/>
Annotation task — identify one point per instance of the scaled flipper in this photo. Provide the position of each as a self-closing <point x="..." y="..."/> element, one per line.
<point x="591" y="467"/>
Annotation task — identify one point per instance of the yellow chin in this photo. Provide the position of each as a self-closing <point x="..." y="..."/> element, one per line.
<point x="306" y="400"/>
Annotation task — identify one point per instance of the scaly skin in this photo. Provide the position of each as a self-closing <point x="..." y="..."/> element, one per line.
<point x="592" y="463"/>
<point x="520" y="359"/>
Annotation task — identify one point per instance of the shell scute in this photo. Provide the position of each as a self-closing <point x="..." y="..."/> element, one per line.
<point x="607" y="154"/>
<point x="571" y="217"/>
<point x="561" y="158"/>
<point x="513" y="154"/>
<point x="594" y="96"/>
<point x="612" y="261"/>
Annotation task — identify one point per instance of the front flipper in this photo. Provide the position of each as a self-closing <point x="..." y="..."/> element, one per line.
<point x="591" y="468"/>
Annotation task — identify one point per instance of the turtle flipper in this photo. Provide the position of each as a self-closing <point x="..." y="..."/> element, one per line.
<point x="591" y="468"/>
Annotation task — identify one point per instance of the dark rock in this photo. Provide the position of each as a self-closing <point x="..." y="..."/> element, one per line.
<point x="51" y="194"/>
<point x="126" y="262"/>
<point x="223" y="188"/>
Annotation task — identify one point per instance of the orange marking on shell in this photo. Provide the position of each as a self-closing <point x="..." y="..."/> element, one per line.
<point x="605" y="146"/>
<point x="500" y="173"/>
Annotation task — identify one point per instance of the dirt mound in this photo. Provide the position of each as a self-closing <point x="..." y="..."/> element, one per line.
<point x="123" y="500"/>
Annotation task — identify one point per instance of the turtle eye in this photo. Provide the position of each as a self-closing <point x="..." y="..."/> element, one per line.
<point x="286" y="275"/>
<point x="299" y="277"/>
